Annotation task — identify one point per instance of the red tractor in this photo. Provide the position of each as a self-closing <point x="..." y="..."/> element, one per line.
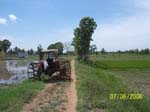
<point x="50" y="66"/>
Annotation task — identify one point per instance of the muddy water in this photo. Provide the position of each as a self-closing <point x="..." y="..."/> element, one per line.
<point x="17" y="70"/>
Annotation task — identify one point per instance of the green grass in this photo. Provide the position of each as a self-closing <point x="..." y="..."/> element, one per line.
<point x="122" y="61"/>
<point x="125" y="57"/>
<point x="109" y="64"/>
<point x="94" y="86"/>
<point x="12" y="98"/>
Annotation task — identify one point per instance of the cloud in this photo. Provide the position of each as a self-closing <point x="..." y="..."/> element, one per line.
<point x="3" y="21"/>
<point x="127" y="33"/>
<point x="12" y="17"/>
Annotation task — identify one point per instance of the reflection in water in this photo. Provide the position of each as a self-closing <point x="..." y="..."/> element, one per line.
<point x="17" y="70"/>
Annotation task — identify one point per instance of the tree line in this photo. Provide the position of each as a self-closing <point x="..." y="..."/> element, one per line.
<point x="131" y="51"/>
<point x="16" y="50"/>
<point x="135" y="51"/>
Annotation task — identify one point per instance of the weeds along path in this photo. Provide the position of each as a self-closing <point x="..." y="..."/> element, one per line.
<point x="59" y="96"/>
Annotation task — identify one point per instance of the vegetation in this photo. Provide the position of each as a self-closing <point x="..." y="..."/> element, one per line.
<point x="30" y="52"/>
<point x="12" y="98"/>
<point x="83" y="36"/>
<point x="4" y="45"/>
<point x="124" y="64"/>
<point x="122" y="61"/>
<point x="57" y="45"/>
<point x="39" y="48"/>
<point x="93" y="48"/>
<point x="15" y="51"/>
<point x="103" y="51"/>
<point x="120" y="57"/>
<point x="95" y="85"/>
<point x="130" y="51"/>
<point x="137" y="80"/>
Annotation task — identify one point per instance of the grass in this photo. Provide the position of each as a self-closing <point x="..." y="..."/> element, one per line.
<point x="137" y="80"/>
<point x="12" y="98"/>
<point x="94" y="86"/>
<point x="142" y="64"/>
<point x="122" y="61"/>
<point x="125" y="57"/>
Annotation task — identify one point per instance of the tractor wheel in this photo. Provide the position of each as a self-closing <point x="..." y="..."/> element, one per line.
<point x="30" y="70"/>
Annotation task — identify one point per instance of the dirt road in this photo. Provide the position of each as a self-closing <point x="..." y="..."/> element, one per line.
<point x="59" y="96"/>
<point x="72" y="94"/>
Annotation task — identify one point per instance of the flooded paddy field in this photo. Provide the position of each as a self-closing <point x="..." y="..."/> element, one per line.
<point x="13" y="71"/>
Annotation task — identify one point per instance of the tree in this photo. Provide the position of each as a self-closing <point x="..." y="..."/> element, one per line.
<point x="16" y="50"/>
<point x="83" y="37"/>
<point x="145" y="51"/>
<point x="31" y="52"/>
<point x="57" y="45"/>
<point x="39" y="48"/>
<point x="23" y="50"/>
<point x="136" y="51"/>
<point x="5" y="45"/>
<point x="51" y="46"/>
<point x="60" y="47"/>
<point x="93" y="48"/>
<point x="1" y="44"/>
<point x="103" y="51"/>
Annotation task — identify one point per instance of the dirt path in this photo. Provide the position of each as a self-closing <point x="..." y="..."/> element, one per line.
<point x="72" y="94"/>
<point x="55" y="97"/>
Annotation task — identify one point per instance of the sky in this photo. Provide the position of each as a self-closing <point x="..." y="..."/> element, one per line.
<point x="122" y="24"/>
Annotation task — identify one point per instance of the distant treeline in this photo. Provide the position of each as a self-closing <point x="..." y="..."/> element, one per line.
<point x="136" y="51"/>
<point x="131" y="51"/>
<point x="16" y="50"/>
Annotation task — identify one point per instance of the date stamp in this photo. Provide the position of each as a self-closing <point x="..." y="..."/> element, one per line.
<point x="126" y="96"/>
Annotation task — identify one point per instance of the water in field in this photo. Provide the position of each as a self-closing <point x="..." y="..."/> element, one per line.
<point x="16" y="71"/>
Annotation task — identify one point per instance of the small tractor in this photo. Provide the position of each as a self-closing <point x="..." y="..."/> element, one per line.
<point x="50" y="66"/>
